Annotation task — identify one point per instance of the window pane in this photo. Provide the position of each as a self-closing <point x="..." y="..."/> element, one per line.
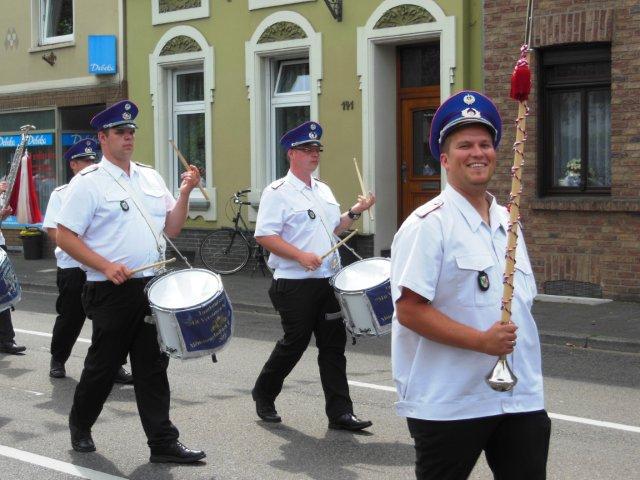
<point x="423" y="162"/>
<point x="190" y="87"/>
<point x="420" y="65"/>
<point x="191" y="142"/>
<point x="58" y="18"/>
<point x="599" y="138"/>
<point x="293" y="78"/>
<point x="565" y="127"/>
<point x="43" y="120"/>
<point x="286" y="119"/>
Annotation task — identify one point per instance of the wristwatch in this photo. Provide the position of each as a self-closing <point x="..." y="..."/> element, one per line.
<point x="353" y="215"/>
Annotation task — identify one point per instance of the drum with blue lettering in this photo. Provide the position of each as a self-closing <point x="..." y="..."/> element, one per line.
<point x="10" y="290"/>
<point x="192" y="312"/>
<point x="364" y="293"/>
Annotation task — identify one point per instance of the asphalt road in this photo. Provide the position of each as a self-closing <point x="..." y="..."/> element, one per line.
<point x="212" y="407"/>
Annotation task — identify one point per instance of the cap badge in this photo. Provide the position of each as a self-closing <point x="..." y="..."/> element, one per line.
<point x="127" y="106"/>
<point x="469" y="99"/>
<point x="126" y="116"/>
<point x="313" y="135"/>
<point x="471" y="113"/>
<point x="88" y="150"/>
<point x="312" y="126"/>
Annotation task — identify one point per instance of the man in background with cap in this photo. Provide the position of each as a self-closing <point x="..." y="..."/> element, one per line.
<point x="112" y="222"/>
<point x="70" y="277"/>
<point x="298" y="221"/>
<point x="447" y="263"/>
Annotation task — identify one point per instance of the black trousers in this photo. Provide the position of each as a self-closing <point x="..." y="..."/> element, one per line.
<point x="6" y="327"/>
<point x="303" y="306"/>
<point x="516" y="446"/>
<point x="71" y="314"/>
<point x="117" y="313"/>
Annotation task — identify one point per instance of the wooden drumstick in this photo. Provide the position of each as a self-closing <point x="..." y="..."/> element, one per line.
<point x="185" y="164"/>
<point x="340" y="243"/>
<point x="364" y="190"/>
<point x="152" y="265"/>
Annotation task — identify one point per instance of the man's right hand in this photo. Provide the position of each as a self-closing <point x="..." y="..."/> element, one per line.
<point x="309" y="261"/>
<point x="118" y="273"/>
<point x="499" y="339"/>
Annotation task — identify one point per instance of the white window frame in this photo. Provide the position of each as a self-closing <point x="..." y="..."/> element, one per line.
<point x="257" y="4"/>
<point x="158" y="18"/>
<point x="40" y="12"/>
<point x="279" y="100"/>
<point x="180" y="108"/>
<point x="258" y="57"/>
<point x="161" y="68"/>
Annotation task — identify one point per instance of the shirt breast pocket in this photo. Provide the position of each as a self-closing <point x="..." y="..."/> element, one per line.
<point x="304" y="218"/>
<point x="118" y="201"/>
<point x="474" y="271"/>
<point x="154" y="201"/>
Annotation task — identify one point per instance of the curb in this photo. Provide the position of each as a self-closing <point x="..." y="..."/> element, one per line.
<point x="594" y="342"/>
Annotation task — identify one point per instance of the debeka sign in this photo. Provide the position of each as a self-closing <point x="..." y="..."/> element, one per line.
<point x="102" y="54"/>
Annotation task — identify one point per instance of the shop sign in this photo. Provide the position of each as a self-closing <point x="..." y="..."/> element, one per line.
<point x="35" y="140"/>
<point x="71" y="138"/>
<point x="102" y="55"/>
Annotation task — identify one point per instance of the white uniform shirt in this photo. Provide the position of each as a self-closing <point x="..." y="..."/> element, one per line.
<point x="439" y="257"/>
<point x="101" y="211"/>
<point x="286" y="209"/>
<point x="63" y="259"/>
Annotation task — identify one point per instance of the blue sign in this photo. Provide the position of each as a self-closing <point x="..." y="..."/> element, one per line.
<point x="35" y="140"/>
<point x="103" y="59"/>
<point x="69" y="139"/>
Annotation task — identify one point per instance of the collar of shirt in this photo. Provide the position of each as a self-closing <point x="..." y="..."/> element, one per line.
<point x="115" y="170"/>
<point x="471" y="215"/>
<point x="299" y="184"/>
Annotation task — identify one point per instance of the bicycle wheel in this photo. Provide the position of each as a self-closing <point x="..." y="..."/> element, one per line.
<point x="262" y="258"/>
<point x="224" y="251"/>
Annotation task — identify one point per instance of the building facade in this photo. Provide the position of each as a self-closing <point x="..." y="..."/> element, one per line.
<point x="63" y="61"/>
<point x="581" y="206"/>
<point x="224" y="80"/>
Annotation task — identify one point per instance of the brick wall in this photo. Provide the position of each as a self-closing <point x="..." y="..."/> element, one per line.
<point x="589" y="239"/>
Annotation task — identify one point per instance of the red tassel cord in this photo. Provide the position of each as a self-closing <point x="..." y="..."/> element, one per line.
<point x="521" y="77"/>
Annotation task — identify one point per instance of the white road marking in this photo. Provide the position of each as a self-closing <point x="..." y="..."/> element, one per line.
<point x="557" y="416"/>
<point x="33" y="392"/>
<point x="373" y="386"/>
<point x="45" y="334"/>
<point x="57" y="465"/>
<point x="47" y="270"/>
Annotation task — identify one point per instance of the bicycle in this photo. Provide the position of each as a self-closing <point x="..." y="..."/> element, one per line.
<point x="227" y="250"/>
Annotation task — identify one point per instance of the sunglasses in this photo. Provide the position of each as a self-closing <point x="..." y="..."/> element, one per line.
<point x="309" y="149"/>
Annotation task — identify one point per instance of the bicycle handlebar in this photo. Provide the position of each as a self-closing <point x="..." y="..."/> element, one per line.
<point x="242" y="192"/>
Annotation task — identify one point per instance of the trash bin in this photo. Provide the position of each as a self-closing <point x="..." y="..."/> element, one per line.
<point x="31" y="243"/>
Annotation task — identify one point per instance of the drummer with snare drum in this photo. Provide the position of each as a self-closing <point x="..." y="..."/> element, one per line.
<point x="112" y="222"/>
<point x="297" y="222"/>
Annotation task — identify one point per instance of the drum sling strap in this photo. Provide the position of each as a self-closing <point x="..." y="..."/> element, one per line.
<point x="317" y="203"/>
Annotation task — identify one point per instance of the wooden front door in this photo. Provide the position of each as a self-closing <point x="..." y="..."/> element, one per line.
<point x="419" y="172"/>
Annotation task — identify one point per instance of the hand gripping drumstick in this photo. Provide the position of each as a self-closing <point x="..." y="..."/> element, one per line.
<point x="364" y="190"/>
<point x="152" y="265"/>
<point x="339" y="244"/>
<point x="185" y="164"/>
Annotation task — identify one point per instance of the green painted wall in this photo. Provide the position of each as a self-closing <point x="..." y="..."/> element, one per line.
<point x="230" y="25"/>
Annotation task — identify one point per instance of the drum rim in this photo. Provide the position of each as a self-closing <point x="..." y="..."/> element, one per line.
<point x="204" y="302"/>
<point x="332" y="281"/>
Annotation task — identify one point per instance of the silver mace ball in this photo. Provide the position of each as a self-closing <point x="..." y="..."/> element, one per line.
<point x="501" y="378"/>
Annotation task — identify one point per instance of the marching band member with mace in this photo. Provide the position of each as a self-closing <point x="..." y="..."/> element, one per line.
<point x="111" y="222"/>
<point x="447" y="264"/>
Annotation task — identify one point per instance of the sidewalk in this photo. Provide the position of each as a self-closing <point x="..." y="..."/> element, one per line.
<point x="609" y="326"/>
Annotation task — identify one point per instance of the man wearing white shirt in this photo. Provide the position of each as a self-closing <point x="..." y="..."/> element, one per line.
<point x="70" y="277"/>
<point x="447" y="264"/>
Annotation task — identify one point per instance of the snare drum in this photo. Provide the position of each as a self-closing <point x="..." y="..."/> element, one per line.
<point x="192" y="312"/>
<point x="364" y="293"/>
<point x="10" y="291"/>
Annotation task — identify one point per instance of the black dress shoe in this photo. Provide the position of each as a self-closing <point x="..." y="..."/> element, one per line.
<point x="56" y="369"/>
<point x="123" y="376"/>
<point x="9" y="346"/>
<point x="175" y="453"/>
<point x="266" y="410"/>
<point x="349" y="421"/>
<point x="81" y="440"/>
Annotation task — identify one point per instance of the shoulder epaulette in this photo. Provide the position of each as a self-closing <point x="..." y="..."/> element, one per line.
<point x="89" y="169"/>
<point x="143" y="165"/>
<point x="428" y="207"/>
<point x="321" y="181"/>
<point x="61" y="187"/>
<point x="277" y="184"/>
